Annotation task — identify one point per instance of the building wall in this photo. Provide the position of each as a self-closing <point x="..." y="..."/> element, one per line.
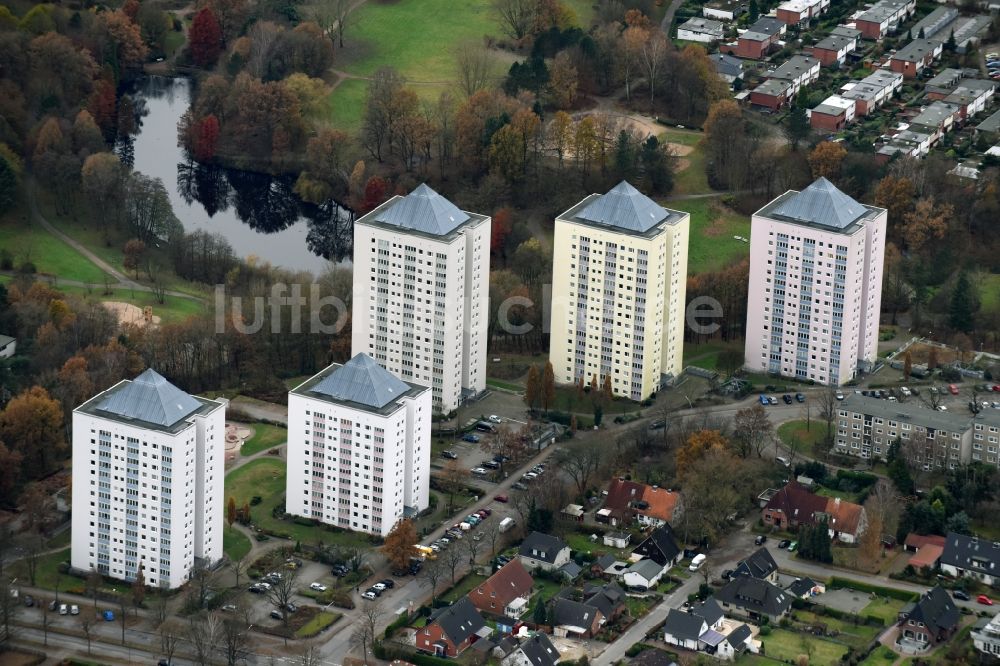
<point x="826" y="57"/>
<point x="611" y="329"/>
<point x="146" y="497"/>
<point x="908" y="69"/>
<point x="871" y="29"/>
<point x="805" y="347"/>
<point x="774" y="102"/>
<point x="356" y="469"/>
<point x="823" y="121"/>
<point x="391" y="309"/>
<point x="693" y="36"/>
<point x="747" y="48"/>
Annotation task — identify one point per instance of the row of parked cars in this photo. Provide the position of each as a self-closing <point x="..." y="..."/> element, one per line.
<point x="772" y="400"/>
<point x="376" y="590"/>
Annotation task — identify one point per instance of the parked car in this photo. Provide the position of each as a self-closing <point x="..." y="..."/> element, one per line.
<point x="450" y="455"/>
<point x="368" y="594"/>
<point x="471" y="438"/>
<point x="291" y="607"/>
<point x="228" y="608"/>
<point x="503" y="499"/>
<point x="659" y="424"/>
<point x="773" y="400"/>
<point x="981" y="599"/>
<point x="318" y="587"/>
<point x="63" y="609"/>
<point x="959" y="594"/>
<point x="793" y="546"/>
<point x="759" y="540"/>
<point x="480" y="471"/>
<point x="519" y="486"/>
<point x="764" y="400"/>
<point x="376" y="590"/>
<point x="276" y="614"/>
<point x="75" y="610"/>
<point x="787" y="398"/>
<point x="495" y="419"/>
<point x="379" y="586"/>
<point x="29" y="600"/>
<point x="389" y="583"/>
<point x="488" y="511"/>
<point x="838" y="395"/>
<point x="783" y="543"/>
<point x="952" y="389"/>
<point x="489" y="464"/>
<point x="800" y="397"/>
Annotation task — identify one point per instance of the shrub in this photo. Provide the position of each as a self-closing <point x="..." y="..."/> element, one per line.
<point x="765" y="630"/>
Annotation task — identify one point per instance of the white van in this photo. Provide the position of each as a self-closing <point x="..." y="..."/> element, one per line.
<point x="697" y="562"/>
<point x="506" y="524"/>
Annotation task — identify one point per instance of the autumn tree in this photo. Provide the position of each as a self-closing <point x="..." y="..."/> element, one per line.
<point x="533" y="388"/>
<point x="333" y="17"/>
<point x="398" y="546"/>
<point x="499" y="231"/>
<point x="475" y="67"/>
<point x="548" y="388"/>
<point x="752" y="430"/>
<point x="101" y="182"/>
<point x="133" y="251"/>
<point x="205" y="38"/>
<point x="563" y="81"/>
<point x="907" y="364"/>
<point x="324" y="174"/>
<point x="206" y="141"/>
<point x="896" y="195"/>
<point x="826" y="159"/>
<point x="697" y="446"/>
<point x="122" y="41"/>
<point x="560" y="134"/>
<point x="926" y="223"/>
<point x="231" y="511"/>
<point x="32" y="423"/>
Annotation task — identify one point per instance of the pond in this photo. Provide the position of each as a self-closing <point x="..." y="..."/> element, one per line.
<point x="257" y="213"/>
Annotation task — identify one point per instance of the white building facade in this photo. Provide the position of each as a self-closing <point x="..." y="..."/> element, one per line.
<point x="619" y="279"/>
<point x="815" y="288"/>
<point x="148" y="473"/>
<point x="359" y="445"/>
<point x="421" y="294"/>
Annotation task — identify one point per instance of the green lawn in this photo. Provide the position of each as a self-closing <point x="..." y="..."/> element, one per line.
<point x="805" y="440"/>
<point x="691" y="179"/>
<point x="989" y="291"/>
<point x="787" y="646"/>
<point x="711" y="246"/>
<point x="857" y="636"/>
<point x="881" y="656"/>
<point x="235" y="544"/>
<point x="47" y="574"/>
<point x="265" y="477"/>
<point x="567" y="401"/>
<point x="264" y="437"/>
<point x="463" y="586"/>
<point x="174" y="309"/>
<point x="29" y="242"/>
<point x="685" y="138"/>
<point x="346" y="104"/>
<point x="320" y="622"/>
<point x="706" y="355"/>
<point x="508" y="386"/>
<point x="887" y="609"/>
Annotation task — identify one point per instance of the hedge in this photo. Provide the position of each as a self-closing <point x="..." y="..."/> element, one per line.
<point x="388" y="653"/>
<point x="837" y="583"/>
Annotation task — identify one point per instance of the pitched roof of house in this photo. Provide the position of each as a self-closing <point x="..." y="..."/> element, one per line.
<point x="544" y="547"/>
<point x="364" y="381"/>
<point x="754" y="594"/>
<point x="509" y="583"/>
<point x="652" y="657"/>
<point x="821" y="203"/>
<point x="460" y="621"/>
<point x="624" y="207"/>
<point x="571" y="570"/>
<point x="685" y="626"/>
<point x="572" y="613"/>
<point x="423" y="210"/>
<point x="936" y="610"/>
<point x="928" y="556"/>
<point x="726" y="64"/>
<point x="660" y="546"/>
<point x="972" y="553"/>
<point x="646" y="568"/>
<point x="539" y="650"/>
<point x="149" y="398"/>
<point x="918" y="541"/>
<point x="738" y="636"/>
<point x="605" y="561"/>
<point x="843" y="516"/>
<point x="710" y="610"/>
<point x="801" y="586"/>
<point x="625" y="495"/>
<point x="796" y="503"/>
<point x="606" y="598"/>
<point x="759" y="565"/>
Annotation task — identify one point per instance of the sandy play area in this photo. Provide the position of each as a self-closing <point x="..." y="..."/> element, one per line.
<point x="129" y="314"/>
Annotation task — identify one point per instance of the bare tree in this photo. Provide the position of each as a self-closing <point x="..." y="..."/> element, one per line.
<point x="752" y="430"/>
<point x="371" y="613"/>
<point x="310" y="656"/>
<point x="475" y="67"/>
<point x="332" y="16"/>
<point x="473" y="545"/>
<point x="828" y="410"/>
<point x="160" y="608"/>
<point x="123" y="600"/>
<point x="516" y="16"/>
<point x="236" y="637"/>
<point x="581" y="463"/>
<point x="88" y="618"/>
<point x="453" y="558"/>
<point x="34" y="544"/>
<point x="239" y="567"/>
<point x="653" y="50"/>
<point x="9" y="608"/>
<point x="93" y="584"/>
<point x="200" y="578"/>
<point x="281" y="592"/>
<point x="492" y="532"/>
<point x="43" y="605"/>
<point x="204" y="635"/>
<point x="169" y="637"/>
<point x="362" y="638"/>
<point x="433" y="571"/>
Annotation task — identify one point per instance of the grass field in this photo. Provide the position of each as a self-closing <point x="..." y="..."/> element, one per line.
<point x="320" y="622"/>
<point x="346" y="104"/>
<point x="235" y="544"/>
<point x="711" y="245"/>
<point x="47" y="574"/>
<point x="787" y="646"/>
<point x="857" y="636"/>
<point x="29" y="242"/>
<point x="173" y="309"/>
<point x="706" y="355"/>
<point x="266" y="478"/>
<point x="886" y="609"/>
<point x="463" y="586"/>
<point x="805" y="440"/>
<point x="264" y="437"/>
<point x="989" y="291"/>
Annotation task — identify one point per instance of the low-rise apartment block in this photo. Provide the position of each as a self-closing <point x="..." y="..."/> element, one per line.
<point x="729" y="68"/>
<point x="794" y="12"/>
<point x="359" y="446"/>
<point x="872" y="91"/>
<point x="936" y="120"/>
<point x="759" y="39"/>
<point x="772" y="94"/>
<point x="912" y="58"/>
<point x="815" y="285"/>
<point x="697" y="29"/>
<point x="833" y="49"/>
<point x="884" y="17"/>
<point x="833" y="114"/>
<point x="972" y="96"/>
<point x="946" y="22"/>
<point x="799" y="71"/>
<point x="725" y="10"/>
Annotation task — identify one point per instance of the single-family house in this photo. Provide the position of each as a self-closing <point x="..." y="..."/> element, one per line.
<point x="575" y="618"/>
<point x="574" y="512"/>
<point x="833" y="114"/>
<point x="504" y="593"/>
<point x="986" y="635"/>
<point x="452" y="629"/>
<point x="833" y="49"/>
<point x="684" y="629"/>
<point x="759" y="39"/>
<point x="772" y="94"/>
<point x="905" y="143"/>
<point x="729" y="68"/>
<point x="725" y="10"/>
<point x="543" y="551"/>
<point x="698" y="29"/>
<point x="872" y="91"/>
<point x="617" y="539"/>
<point x="643" y="574"/>
<point x="793" y="506"/>
<point x="912" y="58"/>
<point x="754" y="598"/>
<point x="805" y="588"/>
<point x="972" y="96"/>
<point x="649" y="505"/>
<point x="915" y="542"/>
<point x="972" y="557"/>
<point x="799" y="71"/>
<point x="661" y="547"/>
<point x="737" y="641"/>
<point x="8" y="345"/>
<point x="929" y="621"/>
<point x="884" y="17"/>
<point x="608" y="598"/>
<point x="944" y="82"/>
<point x="535" y="651"/>
<point x="990" y="128"/>
<point x="759" y="565"/>
<point x="935" y="120"/>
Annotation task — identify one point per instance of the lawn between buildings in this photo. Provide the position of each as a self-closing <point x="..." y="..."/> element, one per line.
<point x="711" y="246"/>
<point x="265" y="437"/>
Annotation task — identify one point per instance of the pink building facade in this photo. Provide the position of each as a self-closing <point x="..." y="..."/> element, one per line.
<point x="815" y="288"/>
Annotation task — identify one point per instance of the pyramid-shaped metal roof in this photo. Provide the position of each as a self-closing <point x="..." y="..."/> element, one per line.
<point x="150" y="398"/>
<point x="424" y="210"/>
<point x="626" y="208"/>
<point x="364" y="381"/>
<point x="821" y="203"/>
